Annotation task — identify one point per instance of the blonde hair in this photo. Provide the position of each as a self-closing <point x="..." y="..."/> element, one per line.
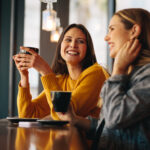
<point x="139" y="16"/>
<point x="127" y="18"/>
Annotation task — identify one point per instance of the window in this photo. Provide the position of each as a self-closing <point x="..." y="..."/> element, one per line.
<point x="93" y="15"/>
<point x="32" y="37"/>
<point x="145" y="4"/>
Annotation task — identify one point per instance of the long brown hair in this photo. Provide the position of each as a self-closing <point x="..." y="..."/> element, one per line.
<point x="139" y="16"/>
<point x="59" y="65"/>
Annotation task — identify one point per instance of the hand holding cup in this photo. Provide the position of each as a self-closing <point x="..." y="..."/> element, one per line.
<point x="22" y="51"/>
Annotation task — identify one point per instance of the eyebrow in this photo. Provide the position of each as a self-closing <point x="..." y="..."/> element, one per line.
<point x="77" y="38"/>
<point x="111" y="26"/>
<point x="67" y="36"/>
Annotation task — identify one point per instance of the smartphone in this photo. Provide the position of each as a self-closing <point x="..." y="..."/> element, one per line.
<point x="25" y="52"/>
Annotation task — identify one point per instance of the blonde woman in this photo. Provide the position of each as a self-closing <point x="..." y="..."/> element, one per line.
<point x="126" y="94"/>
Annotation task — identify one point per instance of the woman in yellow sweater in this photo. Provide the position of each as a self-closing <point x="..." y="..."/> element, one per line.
<point x="74" y="69"/>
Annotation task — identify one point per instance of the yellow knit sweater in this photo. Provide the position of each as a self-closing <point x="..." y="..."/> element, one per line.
<point x="85" y="94"/>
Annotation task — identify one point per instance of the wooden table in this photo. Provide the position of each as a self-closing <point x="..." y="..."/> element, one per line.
<point x="13" y="137"/>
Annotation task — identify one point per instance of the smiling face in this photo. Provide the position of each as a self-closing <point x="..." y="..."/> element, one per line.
<point x="73" y="46"/>
<point x="117" y="35"/>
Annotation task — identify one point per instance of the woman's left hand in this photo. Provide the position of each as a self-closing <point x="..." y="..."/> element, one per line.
<point x="69" y="115"/>
<point x="126" y="55"/>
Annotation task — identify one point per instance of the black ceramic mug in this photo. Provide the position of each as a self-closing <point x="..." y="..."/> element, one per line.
<point x="25" y="52"/>
<point x="60" y="100"/>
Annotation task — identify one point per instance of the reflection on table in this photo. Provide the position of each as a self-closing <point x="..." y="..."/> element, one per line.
<point x="13" y="137"/>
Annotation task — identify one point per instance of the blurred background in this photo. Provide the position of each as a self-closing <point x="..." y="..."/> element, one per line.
<point x="21" y="23"/>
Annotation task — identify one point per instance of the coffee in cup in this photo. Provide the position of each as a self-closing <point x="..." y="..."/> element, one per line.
<point x="25" y="52"/>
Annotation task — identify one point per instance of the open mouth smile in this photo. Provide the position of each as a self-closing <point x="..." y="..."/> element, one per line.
<point x="72" y="53"/>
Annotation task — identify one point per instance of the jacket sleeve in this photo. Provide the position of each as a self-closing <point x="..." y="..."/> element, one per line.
<point x="126" y="101"/>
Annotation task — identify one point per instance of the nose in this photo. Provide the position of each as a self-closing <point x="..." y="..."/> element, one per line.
<point x="73" y="43"/>
<point x="106" y="38"/>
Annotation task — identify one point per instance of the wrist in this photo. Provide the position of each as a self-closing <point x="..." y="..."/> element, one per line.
<point x="24" y="81"/>
<point x="47" y="70"/>
<point x="74" y="120"/>
<point x="119" y="71"/>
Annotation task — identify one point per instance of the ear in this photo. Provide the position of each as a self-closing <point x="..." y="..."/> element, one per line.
<point x="135" y="31"/>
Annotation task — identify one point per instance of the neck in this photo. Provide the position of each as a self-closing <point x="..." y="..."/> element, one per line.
<point x="74" y="71"/>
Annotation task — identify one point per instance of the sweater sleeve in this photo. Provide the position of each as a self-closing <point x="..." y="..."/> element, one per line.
<point x="126" y="100"/>
<point x="85" y="95"/>
<point x="51" y="83"/>
<point x="28" y="108"/>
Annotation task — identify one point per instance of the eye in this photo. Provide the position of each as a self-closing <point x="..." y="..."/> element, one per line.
<point x="67" y="39"/>
<point x="81" y="41"/>
<point x="111" y="29"/>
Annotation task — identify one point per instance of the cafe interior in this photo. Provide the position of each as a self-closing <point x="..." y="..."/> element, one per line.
<point x="22" y="23"/>
<point x="39" y="23"/>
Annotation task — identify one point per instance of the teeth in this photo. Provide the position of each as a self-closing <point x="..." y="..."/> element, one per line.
<point x="72" y="53"/>
<point x="111" y="45"/>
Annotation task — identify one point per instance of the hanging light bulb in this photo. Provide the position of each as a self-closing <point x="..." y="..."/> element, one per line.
<point x="49" y="16"/>
<point x="49" y="20"/>
<point x="55" y="34"/>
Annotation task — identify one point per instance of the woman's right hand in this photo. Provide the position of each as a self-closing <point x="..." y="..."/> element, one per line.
<point x="26" y="61"/>
<point x="20" y="66"/>
<point x="22" y="70"/>
<point x="125" y="56"/>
